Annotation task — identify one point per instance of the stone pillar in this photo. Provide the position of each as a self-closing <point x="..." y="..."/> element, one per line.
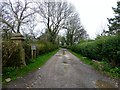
<point x="18" y="39"/>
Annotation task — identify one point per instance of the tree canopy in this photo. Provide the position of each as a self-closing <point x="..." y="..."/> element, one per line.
<point x="114" y="23"/>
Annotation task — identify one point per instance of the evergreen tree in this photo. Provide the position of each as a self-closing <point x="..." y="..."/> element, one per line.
<point x="114" y="23"/>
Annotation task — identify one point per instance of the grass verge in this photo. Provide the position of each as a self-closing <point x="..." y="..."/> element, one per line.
<point x="14" y="73"/>
<point x="102" y="66"/>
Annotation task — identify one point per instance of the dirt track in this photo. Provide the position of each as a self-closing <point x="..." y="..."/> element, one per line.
<point x="64" y="71"/>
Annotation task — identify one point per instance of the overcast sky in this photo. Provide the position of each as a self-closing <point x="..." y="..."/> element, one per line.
<point x="94" y="14"/>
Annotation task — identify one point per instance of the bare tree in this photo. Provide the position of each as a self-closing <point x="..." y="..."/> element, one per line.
<point x="74" y="30"/>
<point x="15" y="14"/>
<point x="53" y="16"/>
<point x="30" y="28"/>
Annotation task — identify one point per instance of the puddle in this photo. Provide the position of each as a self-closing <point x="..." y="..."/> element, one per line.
<point x="69" y="58"/>
<point x="103" y="84"/>
<point x="58" y="54"/>
<point x="64" y="62"/>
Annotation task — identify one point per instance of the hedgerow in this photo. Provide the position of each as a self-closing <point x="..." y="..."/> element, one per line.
<point x="105" y="48"/>
<point x="11" y="52"/>
<point x="41" y="48"/>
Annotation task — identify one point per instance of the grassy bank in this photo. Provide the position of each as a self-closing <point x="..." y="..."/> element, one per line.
<point x="101" y="66"/>
<point x="14" y="73"/>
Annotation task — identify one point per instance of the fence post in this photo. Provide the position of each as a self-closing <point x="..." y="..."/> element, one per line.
<point x="18" y="39"/>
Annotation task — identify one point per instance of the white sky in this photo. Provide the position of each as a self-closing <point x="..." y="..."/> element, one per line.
<point x="94" y="14"/>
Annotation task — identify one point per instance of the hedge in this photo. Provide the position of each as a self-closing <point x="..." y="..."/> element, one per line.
<point x="11" y="52"/>
<point x="105" y="48"/>
<point x="42" y="48"/>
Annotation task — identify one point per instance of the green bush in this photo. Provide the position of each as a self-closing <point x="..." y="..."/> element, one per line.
<point x="8" y="70"/>
<point x="44" y="47"/>
<point x="104" y="48"/>
<point x="27" y="48"/>
<point x="111" y="50"/>
<point x="41" y="48"/>
<point x="10" y="54"/>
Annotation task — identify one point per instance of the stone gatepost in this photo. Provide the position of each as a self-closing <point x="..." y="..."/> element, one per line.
<point x="18" y="39"/>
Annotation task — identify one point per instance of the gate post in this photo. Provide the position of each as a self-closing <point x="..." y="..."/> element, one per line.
<point x="18" y="39"/>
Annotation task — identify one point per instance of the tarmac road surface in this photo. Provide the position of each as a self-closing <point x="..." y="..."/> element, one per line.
<point x="64" y="71"/>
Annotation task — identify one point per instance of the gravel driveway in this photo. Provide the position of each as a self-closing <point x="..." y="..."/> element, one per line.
<point x="64" y="71"/>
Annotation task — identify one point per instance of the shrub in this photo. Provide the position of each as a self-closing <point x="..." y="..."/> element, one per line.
<point x="111" y="49"/>
<point x="44" y="47"/>
<point x="10" y="54"/>
<point x="104" y="48"/>
<point x="27" y="48"/>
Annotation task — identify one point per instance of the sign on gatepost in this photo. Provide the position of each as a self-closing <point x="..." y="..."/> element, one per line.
<point x="33" y="48"/>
